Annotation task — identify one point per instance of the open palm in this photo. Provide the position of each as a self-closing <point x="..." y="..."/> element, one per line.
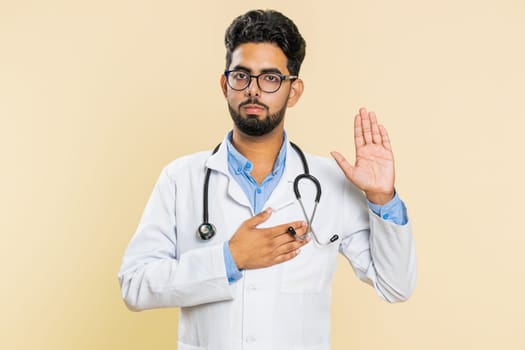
<point x="373" y="171"/>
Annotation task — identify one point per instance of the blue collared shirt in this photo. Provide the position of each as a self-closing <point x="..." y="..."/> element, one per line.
<point x="240" y="168"/>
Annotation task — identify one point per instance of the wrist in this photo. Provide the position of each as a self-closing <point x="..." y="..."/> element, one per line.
<point x="380" y="198"/>
<point x="235" y="257"/>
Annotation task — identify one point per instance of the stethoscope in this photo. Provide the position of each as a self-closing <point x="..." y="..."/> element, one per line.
<point x="207" y="230"/>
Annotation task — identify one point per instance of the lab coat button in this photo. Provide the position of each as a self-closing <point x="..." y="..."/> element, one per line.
<point x="251" y="339"/>
<point x="251" y="287"/>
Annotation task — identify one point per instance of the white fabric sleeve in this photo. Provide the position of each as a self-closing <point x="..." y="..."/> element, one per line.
<point x="381" y="252"/>
<point x="152" y="276"/>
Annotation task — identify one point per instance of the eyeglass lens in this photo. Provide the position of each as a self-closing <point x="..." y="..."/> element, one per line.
<point x="267" y="82"/>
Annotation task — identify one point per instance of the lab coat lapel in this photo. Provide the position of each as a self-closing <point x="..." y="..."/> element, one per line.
<point x="283" y="194"/>
<point x="219" y="162"/>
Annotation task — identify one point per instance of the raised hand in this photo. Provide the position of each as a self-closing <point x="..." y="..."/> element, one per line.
<point x="373" y="171"/>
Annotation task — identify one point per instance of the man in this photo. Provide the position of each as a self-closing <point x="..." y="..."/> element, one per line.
<point x="260" y="276"/>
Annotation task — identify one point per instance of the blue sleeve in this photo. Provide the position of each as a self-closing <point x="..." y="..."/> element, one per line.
<point x="232" y="272"/>
<point x="394" y="211"/>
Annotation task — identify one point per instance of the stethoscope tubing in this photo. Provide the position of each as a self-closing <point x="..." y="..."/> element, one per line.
<point x="207" y="230"/>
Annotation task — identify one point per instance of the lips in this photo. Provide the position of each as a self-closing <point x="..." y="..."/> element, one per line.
<point x="253" y="108"/>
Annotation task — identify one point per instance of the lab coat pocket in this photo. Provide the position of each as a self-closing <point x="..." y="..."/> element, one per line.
<point x="311" y="271"/>
<point x="305" y="273"/>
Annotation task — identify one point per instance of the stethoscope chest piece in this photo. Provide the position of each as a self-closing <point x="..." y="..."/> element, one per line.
<point x="206" y="231"/>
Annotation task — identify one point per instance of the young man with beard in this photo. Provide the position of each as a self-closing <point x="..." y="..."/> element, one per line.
<point x="260" y="276"/>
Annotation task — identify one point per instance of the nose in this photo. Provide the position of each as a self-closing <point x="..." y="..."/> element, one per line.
<point x="253" y="87"/>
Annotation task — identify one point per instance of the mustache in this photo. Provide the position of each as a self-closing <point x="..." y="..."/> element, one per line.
<point x="253" y="101"/>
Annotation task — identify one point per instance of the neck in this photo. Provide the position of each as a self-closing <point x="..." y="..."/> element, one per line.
<point x="262" y="151"/>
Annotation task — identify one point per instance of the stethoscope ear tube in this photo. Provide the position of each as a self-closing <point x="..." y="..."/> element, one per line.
<point x="311" y="178"/>
<point x="305" y="175"/>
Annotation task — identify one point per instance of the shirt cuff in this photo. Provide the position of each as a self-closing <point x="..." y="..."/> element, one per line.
<point x="394" y="211"/>
<point x="232" y="272"/>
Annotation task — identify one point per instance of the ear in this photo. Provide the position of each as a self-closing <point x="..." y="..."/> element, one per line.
<point x="296" y="91"/>
<point x="224" y="86"/>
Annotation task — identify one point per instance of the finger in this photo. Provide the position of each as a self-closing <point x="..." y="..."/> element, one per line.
<point x="285" y="257"/>
<point x="282" y="229"/>
<point x="283" y="245"/>
<point x="259" y="218"/>
<point x="345" y="166"/>
<point x="281" y="239"/>
<point x="358" y="131"/>
<point x="301" y="231"/>
<point x="376" y="135"/>
<point x="288" y="247"/>
<point x="385" y="138"/>
<point x="367" y="129"/>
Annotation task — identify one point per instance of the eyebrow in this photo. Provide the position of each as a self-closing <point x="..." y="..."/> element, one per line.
<point x="266" y="70"/>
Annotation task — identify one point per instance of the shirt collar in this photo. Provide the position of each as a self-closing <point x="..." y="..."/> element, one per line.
<point x="241" y="164"/>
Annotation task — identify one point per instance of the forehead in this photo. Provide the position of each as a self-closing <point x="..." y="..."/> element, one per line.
<point x="259" y="56"/>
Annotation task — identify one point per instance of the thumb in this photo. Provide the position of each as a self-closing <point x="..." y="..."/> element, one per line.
<point x="346" y="167"/>
<point x="259" y="218"/>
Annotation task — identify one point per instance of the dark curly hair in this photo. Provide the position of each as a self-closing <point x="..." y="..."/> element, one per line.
<point x="260" y="26"/>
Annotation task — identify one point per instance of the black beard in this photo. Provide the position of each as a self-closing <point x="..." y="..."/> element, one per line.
<point x="252" y="125"/>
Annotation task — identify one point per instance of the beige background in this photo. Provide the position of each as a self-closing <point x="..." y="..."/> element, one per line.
<point x="97" y="96"/>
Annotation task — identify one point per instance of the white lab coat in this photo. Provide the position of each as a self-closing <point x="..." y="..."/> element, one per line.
<point x="285" y="306"/>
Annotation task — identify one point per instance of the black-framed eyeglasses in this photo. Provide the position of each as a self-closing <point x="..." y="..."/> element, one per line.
<point x="239" y="80"/>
